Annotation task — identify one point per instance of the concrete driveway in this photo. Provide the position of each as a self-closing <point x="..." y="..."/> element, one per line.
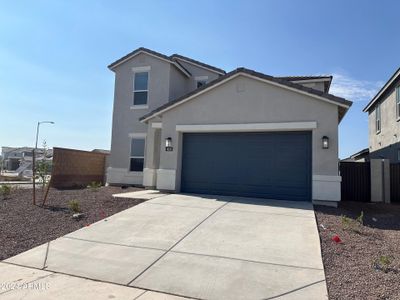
<point x="206" y="247"/>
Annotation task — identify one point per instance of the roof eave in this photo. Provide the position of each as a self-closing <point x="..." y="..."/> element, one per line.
<point x="198" y="64"/>
<point x="258" y="76"/>
<point x="392" y="79"/>
<point x="148" y="52"/>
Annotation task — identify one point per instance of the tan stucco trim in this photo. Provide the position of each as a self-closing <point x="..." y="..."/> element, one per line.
<point x="248" y="76"/>
<point x="156" y="125"/>
<point x="250" y="127"/>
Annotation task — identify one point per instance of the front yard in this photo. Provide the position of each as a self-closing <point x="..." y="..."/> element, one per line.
<point x="366" y="263"/>
<point x="363" y="262"/>
<point x="24" y="225"/>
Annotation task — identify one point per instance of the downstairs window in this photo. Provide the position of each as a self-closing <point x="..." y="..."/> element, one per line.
<point x="137" y="155"/>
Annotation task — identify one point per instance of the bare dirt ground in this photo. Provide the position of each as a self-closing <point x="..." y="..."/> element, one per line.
<point x="366" y="263"/>
<point x="24" y="225"/>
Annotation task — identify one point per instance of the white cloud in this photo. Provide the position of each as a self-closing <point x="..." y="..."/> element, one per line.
<point x="354" y="89"/>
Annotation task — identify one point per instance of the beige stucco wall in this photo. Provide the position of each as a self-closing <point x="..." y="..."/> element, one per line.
<point x="259" y="103"/>
<point x="166" y="83"/>
<point x="390" y="126"/>
<point x="179" y="83"/>
<point x="198" y="71"/>
<point x="126" y="120"/>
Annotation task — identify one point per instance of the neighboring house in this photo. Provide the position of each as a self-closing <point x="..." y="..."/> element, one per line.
<point x="18" y="160"/>
<point x="12" y="156"/>
<point x="185" y="126"/>
<point x="361" y="156"/>
<point x="384" y="121"/>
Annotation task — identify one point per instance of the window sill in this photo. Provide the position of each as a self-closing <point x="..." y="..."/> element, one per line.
<point x="134" y="107"/>
<point x="377" y="132"/>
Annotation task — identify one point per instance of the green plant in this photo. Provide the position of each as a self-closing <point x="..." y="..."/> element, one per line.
<point x="74" y="206"/>
<point x="360" y="218"/>
<point x="383" y="263"/>
<point x="5" y="190"/>
<point x="346" y="222"/>
<point x="94" y="185"/>
<point x="43" y="167"/>
<point x="354" y="225"/>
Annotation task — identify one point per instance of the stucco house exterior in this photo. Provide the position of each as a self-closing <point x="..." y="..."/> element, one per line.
<point x="185" y="126"/>
<point x="384" y="121"/>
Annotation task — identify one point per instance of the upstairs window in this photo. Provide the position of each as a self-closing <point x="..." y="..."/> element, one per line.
<point x="398" y="102"/>
<point x="140" y="88"/>
<point x="378" y="123"/>
<point x="137" y="155"/>
<point x="200" y="81"/>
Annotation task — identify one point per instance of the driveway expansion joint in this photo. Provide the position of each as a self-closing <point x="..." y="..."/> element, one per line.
<point x="294" y="290"/>
<point x="113" y="244"/>
<point x="137" y="297"/>
<point x="45" y="257"/>
<point x="248" y="260"/>
<point x="175" y="205"/>
<point x="268" y="213"/>
<point x="180" y="240"/>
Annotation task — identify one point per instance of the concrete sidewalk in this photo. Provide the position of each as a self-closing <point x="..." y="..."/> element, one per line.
<point x="204" y="247"/>
<point x="18" y="282"/>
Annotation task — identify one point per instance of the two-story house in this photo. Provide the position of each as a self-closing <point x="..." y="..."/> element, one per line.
<point x="185" y="126"/>
<point x="384" y="121"/>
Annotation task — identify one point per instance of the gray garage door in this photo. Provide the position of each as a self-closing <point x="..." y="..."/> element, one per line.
<point x="266" y="165"/>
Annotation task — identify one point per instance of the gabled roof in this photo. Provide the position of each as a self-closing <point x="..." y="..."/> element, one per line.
<point x="173" y="59"/>
<point x="388" y="85"/>
<point x="326" y="79"/>
<point x="196" y="62"/>
<point x="341" y="102"/>
<point x="298" y="78"/>
<point x="152" y="53"/>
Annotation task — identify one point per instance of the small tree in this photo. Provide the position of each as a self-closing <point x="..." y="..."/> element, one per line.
<point x="43" y="166"/>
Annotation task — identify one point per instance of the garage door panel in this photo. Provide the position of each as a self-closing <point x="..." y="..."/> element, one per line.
<point x="268" y="165"/>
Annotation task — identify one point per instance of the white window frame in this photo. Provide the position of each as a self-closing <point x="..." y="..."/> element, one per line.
<point x="378" y="118"/>
<point x="397" y="99"/>
<point x="135" y="70"/>
<point x="136" y="136"/>
<point x="198" y="79"/>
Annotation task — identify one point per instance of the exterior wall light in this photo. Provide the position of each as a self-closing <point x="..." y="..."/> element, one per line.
<point x="325" y="142"/>
<point x="168" y="144"/>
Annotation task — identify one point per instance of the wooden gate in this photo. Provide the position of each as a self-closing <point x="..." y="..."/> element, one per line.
<point x="356" y="181"/>
<point x="395" y="183"/>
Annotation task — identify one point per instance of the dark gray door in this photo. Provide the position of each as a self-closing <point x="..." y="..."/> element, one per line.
<point x="274" y="165"/>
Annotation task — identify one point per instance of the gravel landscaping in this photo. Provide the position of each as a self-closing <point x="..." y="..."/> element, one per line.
<point x="366" y="263"/>
<point x="24" y="225"/>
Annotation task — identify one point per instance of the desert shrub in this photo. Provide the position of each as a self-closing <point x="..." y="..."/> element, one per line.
<point x="360" y="218"/>
<point x="94" y="185"/>
<point x="383" y="263"/>
<point x="5" y="190"/>
<point x="74" y="206"/>
<point x="354" y="225"/>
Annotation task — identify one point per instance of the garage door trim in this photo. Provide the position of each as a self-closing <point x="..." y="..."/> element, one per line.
<point x="287" y="176"/>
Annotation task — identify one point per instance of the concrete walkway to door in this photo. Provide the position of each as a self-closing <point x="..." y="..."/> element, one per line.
<point x="197" y="246"/>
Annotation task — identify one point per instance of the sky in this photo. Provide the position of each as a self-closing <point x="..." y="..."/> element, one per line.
<point x="54" y="55"/>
